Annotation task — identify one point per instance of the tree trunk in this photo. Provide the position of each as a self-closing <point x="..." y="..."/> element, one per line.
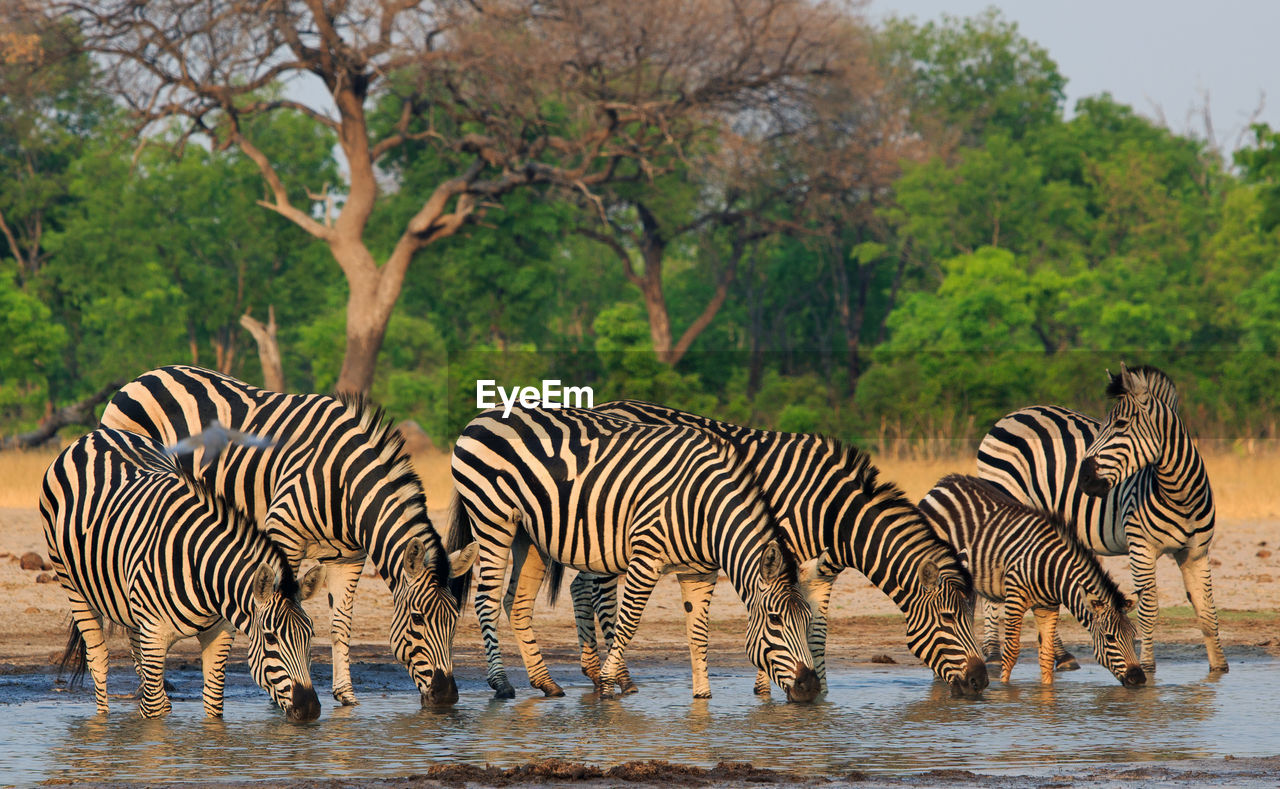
<point x="268" y="348"/>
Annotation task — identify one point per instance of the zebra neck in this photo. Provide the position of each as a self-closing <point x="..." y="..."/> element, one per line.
<point x="232" y="592"/>
<point x="886" y="544"/>
<point x="1179" y="473"/>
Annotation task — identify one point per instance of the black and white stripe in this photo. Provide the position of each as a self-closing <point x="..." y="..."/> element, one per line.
<point x="606" y="495"/>
<point x="140" y="544"/>
<point x="835" y="513"/>
<point x="337" y="487"/>
<point x="1029" y="559"/>
<point x="1133" y="484"/>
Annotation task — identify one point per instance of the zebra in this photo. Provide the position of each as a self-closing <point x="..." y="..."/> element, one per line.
<point x="1029" y="558"/>
<point x="338" y="487"/>
<point x="605" y="495"/>
<point x="139" y="543"/>
<point x="835" y="513"/>
<point x="1134" y="484"/>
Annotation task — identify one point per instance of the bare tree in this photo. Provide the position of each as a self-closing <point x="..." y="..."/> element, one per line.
<point x="571" y="93"/>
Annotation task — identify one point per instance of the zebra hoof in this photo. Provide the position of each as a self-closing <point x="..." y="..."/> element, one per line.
<point x="551" y="690"/>
<point x="346" y="698"/>
<point x="1223" y="669"/>
<point x="628" y="688"/>
<point x="505" y="693"/>
<point x="706" y="694"/>
<point x="1068" y="664"/>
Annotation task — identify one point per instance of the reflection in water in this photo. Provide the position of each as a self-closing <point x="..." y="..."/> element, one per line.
<point x="894" y="719"/>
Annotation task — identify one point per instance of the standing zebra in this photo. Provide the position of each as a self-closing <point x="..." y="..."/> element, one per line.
<point x="1135" y="484"/>
<point x="1029" y="558"/>
<point x="834" y="513"/>
<point x="606" y="495"/>
<point x="138" y="542"/>
<point x="338" y="487"/>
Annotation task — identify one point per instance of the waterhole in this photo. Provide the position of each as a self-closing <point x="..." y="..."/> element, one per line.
<point x="886" y="719"/>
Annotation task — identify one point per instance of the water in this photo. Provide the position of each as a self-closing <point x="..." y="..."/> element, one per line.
<point x="889" y="719"/>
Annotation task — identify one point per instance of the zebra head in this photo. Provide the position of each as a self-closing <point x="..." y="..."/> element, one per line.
<point x="1113" y="636"/>
<point x="778" y="626"/>
<point x="425" y="615"/>
<point x="940" y="628"/>
<point x="280" y="640"/>
<point x="1130" y="439"/>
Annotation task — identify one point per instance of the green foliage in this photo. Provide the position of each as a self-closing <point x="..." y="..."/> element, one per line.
<point x="1261" y="165"/>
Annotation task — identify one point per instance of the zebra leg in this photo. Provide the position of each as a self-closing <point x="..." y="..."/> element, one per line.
<point x="992" y="629"/>
<point x="696" y="589"/>
<point x="493" y="566"/>
<point x="1142" y="563"/>
<point x="1199" y="583"/>
<point x="1062" y="659"/>
<point x="819" y="594"/>
<point x="343" y="577"/>
<point x="519" y="550"/>
<point x="153" y="648"/>
<point x="95" y="646"/>
<point x="1047" y="625"/>
<point x="605" y="601"/>
<point x="521" y="616"/>
<point x="642" y="575"/>
<point x="215" y="645"/>
<point x="584" y="617"/>
<point x="1015" y="607"/>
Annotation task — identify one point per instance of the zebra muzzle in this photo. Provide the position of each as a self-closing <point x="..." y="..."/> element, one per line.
<point x="1134" y="677"/>
<point x="971" y="683"/>
<point x="443" y="690"/>
<point x="805" y="686"/>
<point x="1089" y="480"/>
<point x="304" y="705"/>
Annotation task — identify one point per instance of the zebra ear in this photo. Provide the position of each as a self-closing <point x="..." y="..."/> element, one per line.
<point x="415" y="555"/>
<point x="312" y="581"/>
<point x="1097" y="604"/>
<point x="930" y="576"/>
<point x="1135" y="385"/>
<point x="772" y="563"/>
<point x="1129" y="603"/>
<point x="264" y="583"/>
<point x="460" y="561"/>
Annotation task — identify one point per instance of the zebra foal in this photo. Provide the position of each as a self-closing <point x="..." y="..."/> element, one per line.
<point x="606" y="495"/>
<point x="338" y="487"/>
<point x="1029" y="559"/>
<point x="1134" y="484"/>
<point x="137" y="542"/>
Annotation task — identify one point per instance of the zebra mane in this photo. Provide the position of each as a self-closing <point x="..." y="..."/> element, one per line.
<point x="1074" y="544"/>
<point x="236" y="519"/>
<point x="1160" y="384"/>
<point x="401" y="479"/>
<point x="888" y="495"/>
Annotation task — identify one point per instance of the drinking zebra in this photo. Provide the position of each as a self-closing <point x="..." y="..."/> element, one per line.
<point x="1133" y="484"/>
<point x="835" y="513"/>
<point x="1029" y="559"/>
<point x="605" y="495"/>
<point x="139" y="543"/>
<point x="338" y="487"/>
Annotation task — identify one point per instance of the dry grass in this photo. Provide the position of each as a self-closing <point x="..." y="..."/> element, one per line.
<point x="1245" y="479"/>
<point x="21" y="473"/>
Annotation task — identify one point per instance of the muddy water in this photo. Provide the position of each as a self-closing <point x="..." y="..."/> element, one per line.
<point x="889" y="719"/>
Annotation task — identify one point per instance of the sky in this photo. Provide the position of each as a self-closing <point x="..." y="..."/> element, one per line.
<point x="1160" y="57"/>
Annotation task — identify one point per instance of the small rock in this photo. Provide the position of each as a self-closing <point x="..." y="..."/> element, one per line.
<point x="1264" y="579"/>
<point x="1262" y="544"/>
<point x="46" y="578"/>
<point x="1266" y="643"/>
<point x="415" y="438"/>
<point x="882" y="659"/>
<point x="31" y="610"/>
<point x="1215" y="563"/>
<point x="1263" y="554"/>
<point x="31" y="561"/>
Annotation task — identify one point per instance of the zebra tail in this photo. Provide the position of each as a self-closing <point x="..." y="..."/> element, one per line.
<point x="460" y="535"/>
<point x="75" y="657"/>
<point x="555" y="579"/>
